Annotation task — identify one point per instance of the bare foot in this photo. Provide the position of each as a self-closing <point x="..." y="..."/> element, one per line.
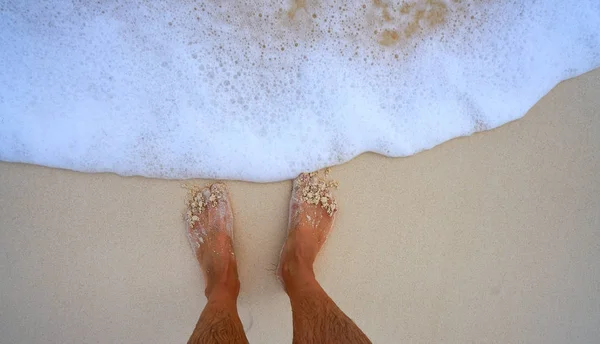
<point x="311" y="217"/>
<point x="210" y="232"/>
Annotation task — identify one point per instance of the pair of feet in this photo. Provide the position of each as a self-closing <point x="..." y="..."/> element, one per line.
<point x="210" y="232"/>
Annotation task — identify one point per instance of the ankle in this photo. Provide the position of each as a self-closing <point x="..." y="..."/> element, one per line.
<point x="297" y="276"/>
<point x="223" y="281"/>
<point x="224" y="289"/>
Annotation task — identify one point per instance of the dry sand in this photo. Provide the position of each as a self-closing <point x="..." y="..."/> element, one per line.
<point x="492" y="238"/>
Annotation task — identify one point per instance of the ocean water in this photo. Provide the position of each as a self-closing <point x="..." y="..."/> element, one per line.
<point x="262" y="90"/>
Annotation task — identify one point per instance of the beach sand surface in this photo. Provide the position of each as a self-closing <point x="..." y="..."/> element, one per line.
<point x="492" y="238"/>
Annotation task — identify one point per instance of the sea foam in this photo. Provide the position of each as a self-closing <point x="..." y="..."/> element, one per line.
<point x="262" y="90"/>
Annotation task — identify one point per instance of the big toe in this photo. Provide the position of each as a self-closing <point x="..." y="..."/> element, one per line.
<point x="219" y="209"/>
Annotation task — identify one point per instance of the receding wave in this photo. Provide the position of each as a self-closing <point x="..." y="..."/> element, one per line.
<point x="261" y="90"/>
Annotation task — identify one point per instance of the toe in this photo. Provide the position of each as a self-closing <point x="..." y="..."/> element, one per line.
<point x="299" y="183"/>
<point x="220" y="214"/>
<point x="206" y="193"/>
<point x="219" y="189"/>
<point x="196" y="218"/>
<point x="296" y="199"/>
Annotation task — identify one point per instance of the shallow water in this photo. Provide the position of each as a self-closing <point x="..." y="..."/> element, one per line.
<point x="263" y="90"/>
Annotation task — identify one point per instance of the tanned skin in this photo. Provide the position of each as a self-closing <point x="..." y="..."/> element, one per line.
<point x="316" y="318"/>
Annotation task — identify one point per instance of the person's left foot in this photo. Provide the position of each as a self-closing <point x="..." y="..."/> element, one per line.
<point x="210" y="232"/>
<point x="312" y="213"/>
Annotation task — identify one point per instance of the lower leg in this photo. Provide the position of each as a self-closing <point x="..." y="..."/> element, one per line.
<point x="219" y="321"/>
<point x="316" y="318"/>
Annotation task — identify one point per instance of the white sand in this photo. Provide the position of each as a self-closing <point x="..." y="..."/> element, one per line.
<point x="491" y="238"/>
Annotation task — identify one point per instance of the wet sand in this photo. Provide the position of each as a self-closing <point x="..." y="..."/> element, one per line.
<point x="491" y="238"/>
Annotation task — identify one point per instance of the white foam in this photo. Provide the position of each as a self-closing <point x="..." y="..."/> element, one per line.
<point x="252" y="90"/>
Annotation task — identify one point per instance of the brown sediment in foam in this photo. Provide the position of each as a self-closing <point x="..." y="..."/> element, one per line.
<point x="389" y="37"/>
<point x="367" y="32"/>
<point x="296" y="5"/>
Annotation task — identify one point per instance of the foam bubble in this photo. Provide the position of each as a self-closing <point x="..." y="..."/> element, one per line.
<point x="262" y="90"/>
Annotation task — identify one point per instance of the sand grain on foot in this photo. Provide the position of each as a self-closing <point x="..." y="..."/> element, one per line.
<point x="318" y="189"/>
<point x="196" y="203"/>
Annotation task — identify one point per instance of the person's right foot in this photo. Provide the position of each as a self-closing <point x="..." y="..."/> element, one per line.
<point x="210" y="232"/>
<point x="311" y="217"/>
